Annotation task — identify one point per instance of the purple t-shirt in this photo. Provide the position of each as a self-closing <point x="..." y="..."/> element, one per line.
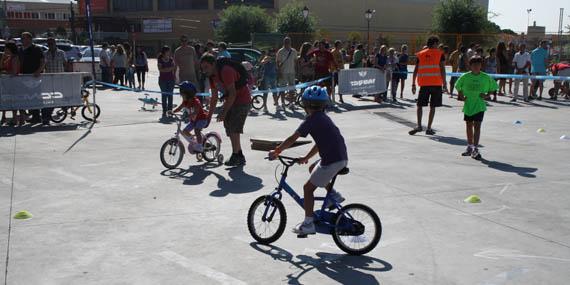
<point x="327" y="137"/>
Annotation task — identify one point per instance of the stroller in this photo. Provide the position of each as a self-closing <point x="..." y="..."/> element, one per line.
<point x="561" y="88"/>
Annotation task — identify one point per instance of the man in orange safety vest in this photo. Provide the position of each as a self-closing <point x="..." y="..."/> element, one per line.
<point x="430" y="75"/>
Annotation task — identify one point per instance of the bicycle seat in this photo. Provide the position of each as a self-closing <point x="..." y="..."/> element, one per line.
<point x="344" y="171"/>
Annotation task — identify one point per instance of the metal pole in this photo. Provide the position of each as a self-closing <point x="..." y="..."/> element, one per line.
<point x="560" y="32"/>
<point x="94" y="73"/>
<point x="368" y="29"/>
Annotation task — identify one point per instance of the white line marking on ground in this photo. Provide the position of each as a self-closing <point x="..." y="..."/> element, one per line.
<point x="208" y="272"/>
<point x="70" y="175"/>
<point x="502" y="208"/>
<point x="505" y="188"/>
<point x="8" y="182"/>
<point x="515" y="254"/>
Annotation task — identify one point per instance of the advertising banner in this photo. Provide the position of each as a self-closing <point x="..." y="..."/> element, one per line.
<point x="26" y="92"/>
<point x="361" y="81"/>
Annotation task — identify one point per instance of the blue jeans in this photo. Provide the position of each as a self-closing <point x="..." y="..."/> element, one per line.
<point x="167" y="87"/>
<point x="268" y="83"/>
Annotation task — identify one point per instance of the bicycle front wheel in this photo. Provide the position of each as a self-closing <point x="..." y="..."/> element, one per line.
<point x="172" y="153"/>
<point x="87" y="112"/>
<point x="258" y="102"/>
<point x="212" y="146"/>
<point x="266" y="219"/>
<point x="357" y="229"/>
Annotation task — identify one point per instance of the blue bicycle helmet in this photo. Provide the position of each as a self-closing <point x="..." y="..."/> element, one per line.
<point x="315" y="97"/>
<point x="187" y="86"/>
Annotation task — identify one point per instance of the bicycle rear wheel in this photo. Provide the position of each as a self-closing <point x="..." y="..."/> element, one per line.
<point x="87" y="112"/>
<point x="212" y="147"/>
<point x="357" y="229"/>
<point x="266" y="219"/>
<point x="172" y="153"/>
<point x="59" y="115"/>
<point x="258" y="102"/>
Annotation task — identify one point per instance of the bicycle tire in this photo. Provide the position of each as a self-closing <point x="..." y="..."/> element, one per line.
<point x="165" y="146"/>
<point x="87" y="114"/>
<point x="59" y="115"/>
<point x="373" y="242"/>
<point x="262" y="201"/>
<point x="212" y="147"/>
<point x="299" y="100"/>
<point x="257" y="102"/>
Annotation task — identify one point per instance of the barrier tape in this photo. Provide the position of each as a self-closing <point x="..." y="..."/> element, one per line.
<point x="253" y="92"/>
<point x="504" y="76"/>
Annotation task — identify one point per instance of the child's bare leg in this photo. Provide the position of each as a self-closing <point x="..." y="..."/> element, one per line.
<point x="309" y="199"/>
<point x="477" y="133"/>
<point x="469" y="129"/>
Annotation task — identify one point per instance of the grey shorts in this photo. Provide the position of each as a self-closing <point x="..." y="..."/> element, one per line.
<point x="235" y="119"/>
<point x="286" y="79"/>
<point x="322" y="175"/>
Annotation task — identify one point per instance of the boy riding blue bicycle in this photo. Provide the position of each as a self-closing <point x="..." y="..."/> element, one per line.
<point x="198" y="117"/>
<point x="329" y="144"/>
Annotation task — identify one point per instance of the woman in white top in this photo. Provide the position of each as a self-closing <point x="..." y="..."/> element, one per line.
<point x="119" y="64"/>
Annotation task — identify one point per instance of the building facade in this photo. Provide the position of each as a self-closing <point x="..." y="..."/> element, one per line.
<point x="36" y="16"/>
<point x="158" y="22"/>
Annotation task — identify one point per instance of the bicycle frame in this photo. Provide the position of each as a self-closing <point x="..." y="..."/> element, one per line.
<point x="323" y="215"/>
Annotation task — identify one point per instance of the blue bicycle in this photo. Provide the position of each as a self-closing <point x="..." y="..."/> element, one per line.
<point x="356" y="229"/>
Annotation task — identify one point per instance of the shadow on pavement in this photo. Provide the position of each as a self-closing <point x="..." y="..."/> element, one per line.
<point x="505" y="167"/>
<point x="10" y="131"/>
<point x="239" y="181"/>
<point x="449" y="140"/>
<point x="344" y="269"/>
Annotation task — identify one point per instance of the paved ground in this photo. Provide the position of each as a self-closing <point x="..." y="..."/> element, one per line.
<point x="106" y="211"/>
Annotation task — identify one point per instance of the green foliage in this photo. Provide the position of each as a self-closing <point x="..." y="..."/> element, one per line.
<point x="238" y="22"/>
<point x="509" y="32"/>
<point x="461" y="16"/>
<point x="290" y="19"/>
<point x="354" y="37"/>
<point x="61" y="31"/>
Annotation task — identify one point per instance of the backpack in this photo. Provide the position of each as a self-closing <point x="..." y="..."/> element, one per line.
<point x="243" y="74"/>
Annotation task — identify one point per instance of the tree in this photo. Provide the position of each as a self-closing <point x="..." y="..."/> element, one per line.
<point x="61" y="31"/>
<point x="509" y="32"/>
<point x="238" y="22"/>
<point x="290" y="19"/>
<point x="460" y="16"/>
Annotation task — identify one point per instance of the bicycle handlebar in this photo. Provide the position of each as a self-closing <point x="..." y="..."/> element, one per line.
<point x="286" y="160"/>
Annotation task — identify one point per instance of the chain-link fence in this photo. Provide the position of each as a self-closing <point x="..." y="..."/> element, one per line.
<point x="560" y="45"/>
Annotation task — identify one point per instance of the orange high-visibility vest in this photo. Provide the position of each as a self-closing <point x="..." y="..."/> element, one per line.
<point x="429" y="72"/>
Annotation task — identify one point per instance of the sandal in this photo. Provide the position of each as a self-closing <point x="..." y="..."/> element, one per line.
<point x="415" y="131"/>
<point x="430" y="132"/>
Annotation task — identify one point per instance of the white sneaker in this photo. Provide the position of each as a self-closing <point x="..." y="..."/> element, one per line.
<point x="305" y="229"/>
<point x="334" y="197"/>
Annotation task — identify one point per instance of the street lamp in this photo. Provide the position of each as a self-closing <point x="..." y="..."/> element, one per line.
<point x="305" y="15"/>
<point x="368" y="15"/>
<point x="305" y="12"/>
<point x="528" y="17"/>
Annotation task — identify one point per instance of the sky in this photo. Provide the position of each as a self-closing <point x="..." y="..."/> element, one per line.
<point x="512" y="13"/>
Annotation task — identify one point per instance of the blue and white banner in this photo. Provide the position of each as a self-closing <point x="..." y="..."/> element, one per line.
<point x="361" y="81"/>
<point x="26" y="92"/>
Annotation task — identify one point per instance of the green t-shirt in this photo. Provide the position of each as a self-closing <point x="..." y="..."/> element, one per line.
<point x="472" y="86"/>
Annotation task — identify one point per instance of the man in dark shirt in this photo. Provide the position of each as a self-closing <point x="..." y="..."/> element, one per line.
<point x="32" y="61"/>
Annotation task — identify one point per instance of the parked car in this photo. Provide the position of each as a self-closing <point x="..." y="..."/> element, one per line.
<point x="245" y="54"/>
<point x="84" y="64"/>
<point x="71" y="52"/>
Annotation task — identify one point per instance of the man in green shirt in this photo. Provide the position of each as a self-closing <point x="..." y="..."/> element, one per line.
<point x="473" y="88"/>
